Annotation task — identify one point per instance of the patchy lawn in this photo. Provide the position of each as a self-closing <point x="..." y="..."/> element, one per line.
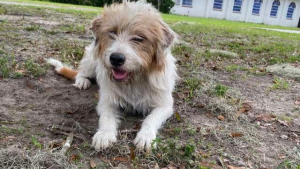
<point x="229" y="110"/>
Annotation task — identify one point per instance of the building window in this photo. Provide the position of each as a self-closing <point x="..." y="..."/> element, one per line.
<point x="290" y="11"/>
<point x="275" y="7"/>
<point x="237" y="5"/>
<point x="187" y="3"/>
<point x="218" y="4"/>
<point x="177" y="2"/>
<point x="256" y="7"/>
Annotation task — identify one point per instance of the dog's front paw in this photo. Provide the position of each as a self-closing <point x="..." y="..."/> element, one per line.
<point x="103" y="139"/>
<point x="82" y="83"/>
<point x="144" y="139"/>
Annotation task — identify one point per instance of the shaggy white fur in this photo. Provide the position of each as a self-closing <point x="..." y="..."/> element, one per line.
<point x="147" y="88"/>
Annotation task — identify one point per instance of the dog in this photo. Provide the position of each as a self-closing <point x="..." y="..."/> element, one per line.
<point x="132" y="62"/>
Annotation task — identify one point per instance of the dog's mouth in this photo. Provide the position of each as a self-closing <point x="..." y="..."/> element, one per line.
<point x="120" y="75"/>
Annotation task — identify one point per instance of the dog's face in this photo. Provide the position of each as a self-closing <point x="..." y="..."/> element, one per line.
<point x="131" y="39"/>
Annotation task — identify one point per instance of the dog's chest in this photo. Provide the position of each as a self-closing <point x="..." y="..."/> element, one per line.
<point x="136" y="98"/>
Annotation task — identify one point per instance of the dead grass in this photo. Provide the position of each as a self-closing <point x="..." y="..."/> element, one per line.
<point x="16" y="157"/>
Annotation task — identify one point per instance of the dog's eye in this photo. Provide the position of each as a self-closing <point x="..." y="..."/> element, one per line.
<point x="113" y="32"/>
<point x="138" y="39"/>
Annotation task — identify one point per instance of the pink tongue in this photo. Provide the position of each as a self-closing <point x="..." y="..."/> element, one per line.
<point x="119" y="74"/>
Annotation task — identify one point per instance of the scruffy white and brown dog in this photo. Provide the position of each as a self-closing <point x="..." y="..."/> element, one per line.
<point x="132" y="62"/>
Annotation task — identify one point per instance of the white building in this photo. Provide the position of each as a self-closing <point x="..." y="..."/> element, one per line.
<point x="272" y="12"/>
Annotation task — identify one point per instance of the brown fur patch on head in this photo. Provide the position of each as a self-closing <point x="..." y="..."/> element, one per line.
<point x="135" y="19"/>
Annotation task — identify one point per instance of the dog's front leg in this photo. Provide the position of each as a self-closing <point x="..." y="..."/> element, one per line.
<point x="108" y="124"/>
<point x="151" y="125"/>
<point x="86" y="69"/>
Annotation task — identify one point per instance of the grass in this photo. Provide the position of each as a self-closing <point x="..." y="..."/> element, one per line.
<point x="11" y="68"/>
<point x="73" y="28"/>
<point x="36" y="143"/>
<point x="280" y="84"/>
<point x="32" y="28"/>
<point x="34" y="68"/>
<point x="220" y="90"/>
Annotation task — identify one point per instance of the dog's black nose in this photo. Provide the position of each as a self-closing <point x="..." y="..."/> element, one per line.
<point x="117" y="59"/>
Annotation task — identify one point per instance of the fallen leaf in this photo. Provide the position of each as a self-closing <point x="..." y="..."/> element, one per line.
<point x="281" y="157"/>
<point x="20" y="71"/>
<point x="210" y="165"/>
<point x="92" y="163"/>
<point x="178" y="118"/>
<point x="282" y="122"/>
<point x="104" y="159"/>
<point x="233" y="167"/>
<point x="182" y="167"/>
<point x="132" y="153"/>
<point x="8" y="138"/>
<point x="201" y="105"/>
<point x="121" y="159"/>
<point x="137" y="126"/>
<point x="41" y="60"/>
<point x="247" y="106"/>
<point x="187" y="56"/>
<point x="209" y="115"/>
<point x="97" y="96"/>
<point x="55" y="144"/>
<point x="237" y="134"/>
<point x="203" y="154"/>
<point x="198" y="129"/>
<point x="266" y="118"/>
<point x="214" y="68"/>
<point x="75" y="157"/>
<point x="156" y="166"/>
<point x="222" y="118"/>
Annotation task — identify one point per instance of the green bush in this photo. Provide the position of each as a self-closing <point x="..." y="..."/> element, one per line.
<point x="165" y="5"/>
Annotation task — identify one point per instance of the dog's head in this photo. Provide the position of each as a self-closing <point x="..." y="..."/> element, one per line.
<point x="132" y="39"/>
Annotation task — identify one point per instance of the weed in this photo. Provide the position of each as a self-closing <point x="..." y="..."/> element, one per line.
<point x="280" y="84"/>
<point x="2" y="10"/>
<point x="289" y="165"/>
<point x="183" y="50"/>
<point x="73" y="28"/>
<point x="50" y="32"/>
<point x="220" y="90"/>
<point x="170" y="150"/>
<point x="192" y="84"/>
<point x="36" y="143"/>
<point x="34" y="68"/>
<point x="70" y="51"/>
<point x="4" y="67"/>
<point x="32" y="28"/>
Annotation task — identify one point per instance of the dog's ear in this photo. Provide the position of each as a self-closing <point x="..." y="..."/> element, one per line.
<point x="96" y="24"/>
<point x="169" y="36"/>
<point x="166" y="41"/>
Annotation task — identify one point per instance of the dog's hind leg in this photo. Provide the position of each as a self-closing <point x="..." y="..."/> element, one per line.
<point x="86" y="69"/>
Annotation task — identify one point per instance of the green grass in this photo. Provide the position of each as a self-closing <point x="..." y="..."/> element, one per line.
<point x="36" y="143"/>
<point x="2" y="10"/>
<point x="73" y="28"/>
<point x="280" y="84"/>
<point x="32" y="28"/>
<point x="221" y="90"/>
<point x="192" y="84"/>
<point x="34" y="68"/>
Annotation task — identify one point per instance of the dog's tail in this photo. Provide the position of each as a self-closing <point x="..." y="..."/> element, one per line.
<point x="62" y="70"/>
